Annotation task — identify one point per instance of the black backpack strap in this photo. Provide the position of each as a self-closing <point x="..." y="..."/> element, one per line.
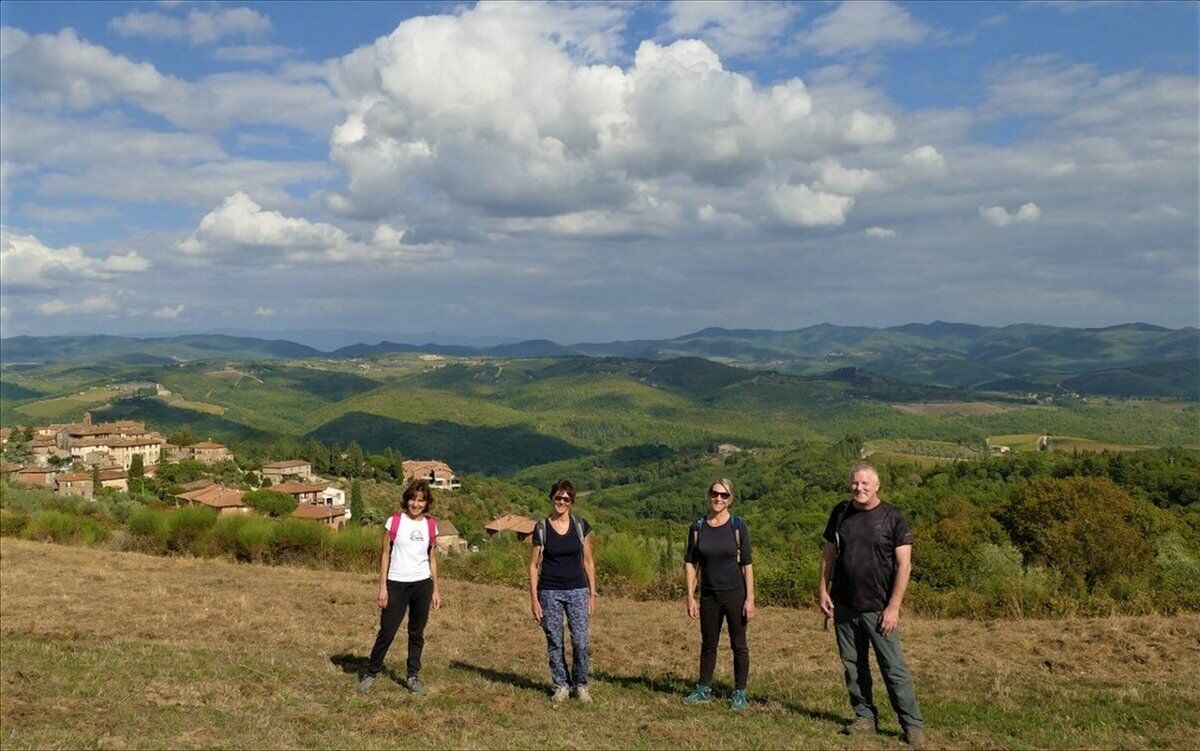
<point x="738" y="526"/>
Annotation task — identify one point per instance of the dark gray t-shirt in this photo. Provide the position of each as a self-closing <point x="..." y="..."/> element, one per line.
<point x="865" y="568"/>
<point x="716" y="553"/>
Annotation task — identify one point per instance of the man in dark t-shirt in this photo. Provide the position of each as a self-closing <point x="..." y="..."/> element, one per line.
<point x="868" y="555"/>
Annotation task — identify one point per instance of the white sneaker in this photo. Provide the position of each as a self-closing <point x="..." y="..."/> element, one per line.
<point x="582" y="694"/>
<point x="561" y="694"/>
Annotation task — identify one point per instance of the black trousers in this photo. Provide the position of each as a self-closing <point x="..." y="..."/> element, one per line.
<point x="714" y="608"/>
<point x="415" y="598"/>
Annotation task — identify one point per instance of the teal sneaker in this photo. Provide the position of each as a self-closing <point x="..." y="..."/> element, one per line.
<point x="699" y="695"/>
<point x="739" y="700"/>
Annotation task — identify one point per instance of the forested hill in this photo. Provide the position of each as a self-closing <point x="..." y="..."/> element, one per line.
<point x="1135" y="360"/>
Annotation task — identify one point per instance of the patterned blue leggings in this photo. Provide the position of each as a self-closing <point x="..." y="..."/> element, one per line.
<point x="574" y="602"/>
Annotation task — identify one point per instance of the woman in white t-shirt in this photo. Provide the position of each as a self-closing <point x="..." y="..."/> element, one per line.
<point x="408" y="581"/>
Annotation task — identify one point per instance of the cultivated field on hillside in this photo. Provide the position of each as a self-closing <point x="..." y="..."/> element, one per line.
<point x="106" y="649"/>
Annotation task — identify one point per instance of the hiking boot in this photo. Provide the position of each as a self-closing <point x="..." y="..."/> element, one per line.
<point x="861" y="726"/>
<point x="915" y="739"/>
<point x="582" y="694"/>
<point x="699" y="695"/>
<point x="413" y="683"/>
<point x="561" y="694"/>
<point x="739" y="700"/>
<point x="364" y="685"/>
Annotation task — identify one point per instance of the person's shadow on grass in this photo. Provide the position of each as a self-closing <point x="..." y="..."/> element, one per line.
<point x="501" y="676"/>
<point x="356" y="666"/>
<point x="671" y="685"/>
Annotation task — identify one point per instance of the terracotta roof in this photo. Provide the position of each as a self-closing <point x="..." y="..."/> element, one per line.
<point x="216" y="496"/>
<point x="316" y="511"/>
<point x="207" y="445"/>
<point x="203" y="482"/>
<point x="113" y="474"/>
<point x="6" y="466"/>
<point x="36" y="471"/>
<point x="122" y="441"/>
<point x="521" y="524"/>
<point x="286" y="464"/>
<point x="73" y="477"/>
<point x="421" y="469"/>
<point x="445" y="528"/>
<point x="293" y="488"/>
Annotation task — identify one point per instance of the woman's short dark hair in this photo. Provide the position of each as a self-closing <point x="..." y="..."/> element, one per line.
<point x="417" y="486"/>
<point x="563" y="486"/>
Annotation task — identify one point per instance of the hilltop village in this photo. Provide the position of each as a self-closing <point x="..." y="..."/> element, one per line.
<point x="84" y="458"/>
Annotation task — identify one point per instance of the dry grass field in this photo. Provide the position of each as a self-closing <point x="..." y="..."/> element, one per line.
<point x="102" y="649"/>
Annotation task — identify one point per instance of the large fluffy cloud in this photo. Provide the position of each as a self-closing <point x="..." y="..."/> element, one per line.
<point x="27" y="263"/>
<point x="519" y="131"/>
<point x="241" y="226"/>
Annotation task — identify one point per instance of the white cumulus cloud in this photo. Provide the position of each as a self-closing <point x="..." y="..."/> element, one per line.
<point x="1001" y="217"/>
<point x="242" y="226"/>
<point x="200" y="26"/>
<point x="879" y="232"/>
<point x="28" y="263"/>
<point x="861" y="26"/>
<point x="736" y="28"/>
<point x="169" y="312"/>
<point x="801" y="206"/>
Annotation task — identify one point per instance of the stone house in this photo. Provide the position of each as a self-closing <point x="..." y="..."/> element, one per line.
<point x="448" y="539"/>
<point x="437" y="472"/>
<point x="225" y="501"/>
<point x="282" y="471"/>
<point x="523" y="526"/>
<point x="302" y="492"/>
<point x="209" y="452"/>
<point x="333" y="517"/>
<point x="74" y="483"/>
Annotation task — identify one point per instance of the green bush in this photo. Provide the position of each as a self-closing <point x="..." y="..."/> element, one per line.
<point x="625" y="562"/>
<point x="186" y="526"/>
<point x="355" y="548"/>
<point x="502" y="559"/>
<point x="150" y="529"/>
<point x="270" y="502"/>
<point x="11" y="523"/>
<point x="1084" y="527"/>
<point x="252" y="538"/>
<point x="1177" y="577"/>
<point x="299" y="540"/>
<point x="63" y="527"/>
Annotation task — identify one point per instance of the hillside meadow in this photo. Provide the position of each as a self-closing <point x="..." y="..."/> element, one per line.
<point x="105" y="649"/>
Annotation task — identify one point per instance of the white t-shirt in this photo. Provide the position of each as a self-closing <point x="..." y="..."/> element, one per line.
<point x="410" y="553"/>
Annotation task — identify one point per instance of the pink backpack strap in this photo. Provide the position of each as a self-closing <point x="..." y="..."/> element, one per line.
<point x="395" y="527"/>
<point x="432" y="531"/>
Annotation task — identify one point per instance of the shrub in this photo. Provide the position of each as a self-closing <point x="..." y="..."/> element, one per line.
<point x="625" y="561"/>
<point x="252" y="538"/>
<point x="185" y="527"/>
<point x="149" y="529"/>
<point x="270" y="502"/>
<point x="1083" y="527"/>
<point x="63" y="527"/>
<point x="355" y="548"/>
<point x="11" y="524"/>
<point x="299" y="540"/>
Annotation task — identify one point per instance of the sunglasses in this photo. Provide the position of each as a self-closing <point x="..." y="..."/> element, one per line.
<point x="564" y="498"/>
<point x="718" y="494"/>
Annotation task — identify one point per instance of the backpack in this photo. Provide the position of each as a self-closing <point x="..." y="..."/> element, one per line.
<point x="429" y="520"/>
<point x="837" y="529"/>
<point x="738" y="526"/>
<point x="539" y="535"/>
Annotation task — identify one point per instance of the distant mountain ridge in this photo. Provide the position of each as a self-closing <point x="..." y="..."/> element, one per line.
<point x="1134" y="359"/>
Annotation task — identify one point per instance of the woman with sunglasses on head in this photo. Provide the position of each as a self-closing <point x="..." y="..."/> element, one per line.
<point x="562" y="580"/>
<point x="718" y="550"/>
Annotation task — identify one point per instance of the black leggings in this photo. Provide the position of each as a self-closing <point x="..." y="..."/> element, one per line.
<point x="714" y="607"/>
<point x="416" y="598"/>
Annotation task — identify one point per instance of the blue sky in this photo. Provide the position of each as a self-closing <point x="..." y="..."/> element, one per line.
<point x="595" y="171"/>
